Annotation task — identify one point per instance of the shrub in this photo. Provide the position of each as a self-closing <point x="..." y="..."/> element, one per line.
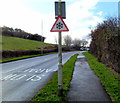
<point x="105" y="43"/>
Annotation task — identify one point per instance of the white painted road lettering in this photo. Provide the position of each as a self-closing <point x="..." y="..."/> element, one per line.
<point x="34" y="78"/>
<point x="14" y="77"/>
<point x="35" y="70"/>
<point x="27" y="70"/>
<point x="9" y="76"/>
<point x="42" y="70"/>
<point x="30" y="78"/>
<point x="43" y="75"/>
<point x="30" y="70"/>
<point x="48" y="70"/>
<point x="18" y="77"/>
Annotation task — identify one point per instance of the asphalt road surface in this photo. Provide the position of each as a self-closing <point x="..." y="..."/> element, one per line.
<point x="22" y="79"/>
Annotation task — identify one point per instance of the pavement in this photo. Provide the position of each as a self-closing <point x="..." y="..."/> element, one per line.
<point x="85" y="85"/>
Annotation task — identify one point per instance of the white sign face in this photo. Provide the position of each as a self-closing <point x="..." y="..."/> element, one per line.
<point x="59" y="25"/>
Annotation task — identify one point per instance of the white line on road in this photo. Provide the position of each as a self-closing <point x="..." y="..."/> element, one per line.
<point x="34" y="78"/>
<point x="13" y="69"/>
<point x="29" y="65"/>
<point x="18" y="77"/>
<point x="9" y="76"/>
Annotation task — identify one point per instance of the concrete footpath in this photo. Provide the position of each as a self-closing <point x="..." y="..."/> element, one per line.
<point x="85" y="85"/>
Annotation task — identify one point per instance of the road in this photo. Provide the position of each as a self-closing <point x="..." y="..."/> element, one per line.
<point x="22" y="79"/>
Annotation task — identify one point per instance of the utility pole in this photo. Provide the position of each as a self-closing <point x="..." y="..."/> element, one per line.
<point x="59" y="56"/>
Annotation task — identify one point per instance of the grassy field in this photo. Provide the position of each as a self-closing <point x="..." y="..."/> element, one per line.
<point x="109" y="79"/>
<point x="14" y="43"/>
<point x="49" y="92"/>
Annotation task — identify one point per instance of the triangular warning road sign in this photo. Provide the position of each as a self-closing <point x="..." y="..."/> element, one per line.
<point x="59" y="25"/>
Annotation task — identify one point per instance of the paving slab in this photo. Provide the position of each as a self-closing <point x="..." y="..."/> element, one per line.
<point x="85" y="85"/>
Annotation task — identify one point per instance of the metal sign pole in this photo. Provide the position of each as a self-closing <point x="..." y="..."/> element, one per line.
<point x="59" y="26"/>
<point x="59" y="57"/>
<point x="42" y="36"/>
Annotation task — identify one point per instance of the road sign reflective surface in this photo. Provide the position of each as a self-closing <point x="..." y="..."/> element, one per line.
<point x="59" y="25"/>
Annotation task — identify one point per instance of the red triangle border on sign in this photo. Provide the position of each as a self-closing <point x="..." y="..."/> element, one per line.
<point x="55" y="24"/>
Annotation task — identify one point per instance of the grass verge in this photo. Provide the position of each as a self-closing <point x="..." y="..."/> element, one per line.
<point x="49" y="92"/>
<point x="23" y="57"/>
<point x="109" y="79"/>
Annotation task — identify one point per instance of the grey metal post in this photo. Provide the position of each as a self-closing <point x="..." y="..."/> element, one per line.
<point x="42" y="47"/>
<point x="119" y="13"/>
<point x="59" y="57"/>
<point x="1" y="66"/>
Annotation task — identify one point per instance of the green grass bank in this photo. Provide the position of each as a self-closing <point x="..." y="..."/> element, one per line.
<point x="109" y="79"/>
<point x="49" y="92"/>
<point x="14" y="43"/>
<point x="18" y="44"/>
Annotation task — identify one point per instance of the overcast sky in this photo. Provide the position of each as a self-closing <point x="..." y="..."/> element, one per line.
<point x="80" y="16"/>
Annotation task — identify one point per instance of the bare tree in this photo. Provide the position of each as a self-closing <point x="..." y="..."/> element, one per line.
<point x="67" y="41"/>
<point x="55" y="40"/>
<point x="77" y="43"/>
<point x="84" y="42"/>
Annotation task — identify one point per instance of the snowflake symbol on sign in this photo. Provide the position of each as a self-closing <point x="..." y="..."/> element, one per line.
<point x="59" y="25"/>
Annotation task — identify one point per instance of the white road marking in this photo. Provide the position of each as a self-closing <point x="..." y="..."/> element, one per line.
<point x="14" y="77"/>
<point x="48" y="70"/>
<point x="33" y="64"/>
<point x="18" y="77"/>
<point x="9" y="76"/>
<point x="42" y="70"/>
<point x="35" y="70"/>
<point x="21" y="77"/>
<point x="38" y="78"/>
<point x="43" y="75"/>
<point x="31" y="70"/>
<point x="30" y="78"/>
<point x="13" y="69"/>
<point x="34" y="78"/>
<point x="27" y="70"/>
